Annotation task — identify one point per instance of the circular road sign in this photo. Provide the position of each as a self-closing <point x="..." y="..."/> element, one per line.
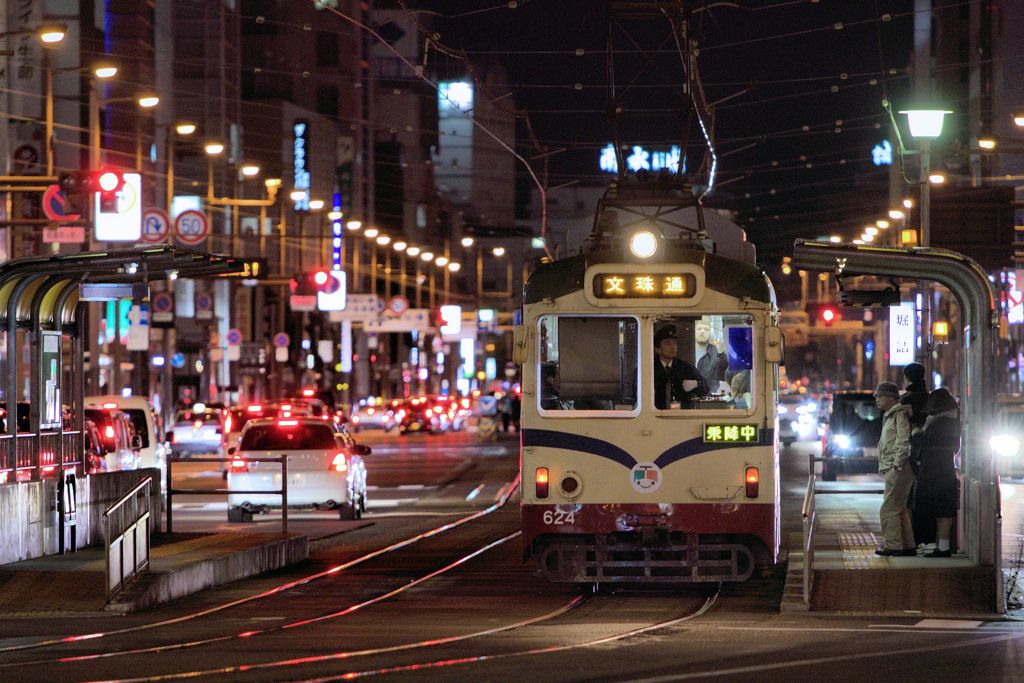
<point x="234" y="337"/>
<point x="155" y="226"/>
<point x="191" y="227"/>
<point x="204" y="302"/>
<point x="281" y="340"/>
<point x="55" y="205"/>
<point x="398" y="305"/>
<point x="178" y="360"/>
<point x="163" y="303"/>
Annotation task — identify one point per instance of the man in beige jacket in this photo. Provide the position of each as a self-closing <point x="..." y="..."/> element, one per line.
<point x="894" y="465"/>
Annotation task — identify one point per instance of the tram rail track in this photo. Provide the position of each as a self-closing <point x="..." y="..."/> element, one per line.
<point x="275" y="591"/>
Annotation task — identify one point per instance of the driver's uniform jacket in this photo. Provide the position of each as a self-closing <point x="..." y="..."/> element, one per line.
<point x="894" y="444"/>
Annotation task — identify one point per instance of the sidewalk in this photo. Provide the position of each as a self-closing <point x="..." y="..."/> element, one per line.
<point x="180" y="565"/>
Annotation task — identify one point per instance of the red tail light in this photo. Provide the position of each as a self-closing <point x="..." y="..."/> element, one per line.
<point x="339" y="464"/>
<point x="541" y="480"/>
<point x="255" y="409"/>
<point x="108" y="432"/>
<point x="287" y="423"/>
<point x="753" y="480"/>
<point x="227" y="424"/>
<point x="239" y="465"/>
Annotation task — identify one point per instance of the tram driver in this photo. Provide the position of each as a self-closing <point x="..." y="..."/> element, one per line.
<point x="676" y="382"/>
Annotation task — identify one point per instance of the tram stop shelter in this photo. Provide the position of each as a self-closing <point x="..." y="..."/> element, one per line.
<point x="846" y="575"/>
<point x="44" y="308"/>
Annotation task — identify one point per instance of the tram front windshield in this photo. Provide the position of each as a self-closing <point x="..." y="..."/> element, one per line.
<point x="702" y="362"/>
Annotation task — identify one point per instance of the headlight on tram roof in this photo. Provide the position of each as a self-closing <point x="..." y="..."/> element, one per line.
<point x="643" y="243"/>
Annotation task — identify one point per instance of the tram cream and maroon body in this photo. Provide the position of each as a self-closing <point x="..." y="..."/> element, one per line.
<point x="615" y="489"/>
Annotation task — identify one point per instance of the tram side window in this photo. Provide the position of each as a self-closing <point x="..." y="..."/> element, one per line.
<point x="588" y="363"/>
<point x="703" y="362"/>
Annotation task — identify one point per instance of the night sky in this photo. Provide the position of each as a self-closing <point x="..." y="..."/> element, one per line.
<point x="798" y="99"/>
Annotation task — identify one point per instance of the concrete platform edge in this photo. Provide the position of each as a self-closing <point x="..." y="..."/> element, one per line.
<point x="158" y="587"/>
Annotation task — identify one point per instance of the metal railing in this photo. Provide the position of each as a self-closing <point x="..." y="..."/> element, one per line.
<point x="126" y="537"/>
<point x="28" y="456"/>
<point x="283" y="491"/>
<point x="809" y="515"/>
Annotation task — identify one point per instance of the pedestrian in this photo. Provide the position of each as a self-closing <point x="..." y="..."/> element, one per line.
<point x="937" y="491"/>
<point x="517" y="409"/>
<point x="894" y="465"/>
<point x="505" y="405"/>
<point x="676" y="382"/>
<point x="916" y="396"/>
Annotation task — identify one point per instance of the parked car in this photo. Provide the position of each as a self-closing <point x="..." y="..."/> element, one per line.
<point x="852" y="430"/>
<point x="197" y="432"/>
<point x="325" y="467"/>
<point x="154" y="449"/>
<point x="121" y="444"/>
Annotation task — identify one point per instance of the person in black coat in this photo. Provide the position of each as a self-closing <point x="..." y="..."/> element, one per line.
<point x="936" y="443"/>
<point x="676" y="382"/>
<point x="915" y="393"/>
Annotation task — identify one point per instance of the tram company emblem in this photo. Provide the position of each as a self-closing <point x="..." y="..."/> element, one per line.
<point x="646" y="477"/>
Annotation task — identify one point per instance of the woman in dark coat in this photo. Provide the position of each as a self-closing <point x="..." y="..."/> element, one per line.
<point x="936" y="443"/>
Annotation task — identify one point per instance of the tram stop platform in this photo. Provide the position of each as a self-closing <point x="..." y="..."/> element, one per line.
<point x="180" y="564"/>
<point x="849" y="578"/>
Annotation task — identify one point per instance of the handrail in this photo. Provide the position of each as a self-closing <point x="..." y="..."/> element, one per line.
<point x="283" y="491"/>
<point x="139" y="540"/>
<point x="809" y="514"/>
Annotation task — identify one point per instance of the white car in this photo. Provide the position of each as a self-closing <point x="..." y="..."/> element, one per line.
<point x="325" y="468"/>
<point x="373" y="417"/>
<point x="798" y="419"/>
<point x="197" y="432"/>
<point x="154" y="450"/>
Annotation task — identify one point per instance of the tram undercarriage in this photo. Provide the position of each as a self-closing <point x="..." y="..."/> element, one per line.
<point x="644" y="556"/>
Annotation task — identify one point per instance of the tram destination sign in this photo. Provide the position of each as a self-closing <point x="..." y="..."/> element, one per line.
<point x="645" y="286"/>
<point x="730" y="433"/>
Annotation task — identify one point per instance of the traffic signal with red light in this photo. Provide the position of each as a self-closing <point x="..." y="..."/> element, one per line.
<point x="828" y="315"/>
<point x="107" y="182"/>
<point x="310" y="284"/>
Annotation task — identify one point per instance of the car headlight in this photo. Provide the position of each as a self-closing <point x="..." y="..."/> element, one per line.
<point x="783" y="410"/>
<point x="841" y="440"/>
<point x="1006" y="445"/>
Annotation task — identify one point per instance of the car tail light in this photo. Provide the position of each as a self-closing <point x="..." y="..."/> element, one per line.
<point x="108" y="432"/>
<point x="286" y="406"/>
<point x="109" y="406"/>
<point x="287" y="423"/>
<point x="255" y="409"/>
<point x="239" y="465"/>
<point x="339" y="464"/>
<point x="307" y="392"/>
<point x="227" y="424"/>
<point x="753" y="480"/>
<point x="541" y="481"/>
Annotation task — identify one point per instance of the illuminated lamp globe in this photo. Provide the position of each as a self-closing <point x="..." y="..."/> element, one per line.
<point x="52" y="33"/>
<point x="185" y="128"/>
<point x="383" y="240"/>
<point x="882" y="224"/>
<point x="937" y="178"/>
<point x="427" y="256"/>
<point x="413" y="251"/>
<point x="354" y="226"/>
<point x="104" y="71"/>
<point x="896" y="214"/>
<point x="399" y="245"/>
<point x="371" y="233"/>
<point x="148" y="101"/>
<point x="441" y="261"/>
<point x="250" y="170"/>
<point x="454" y="266"/>
<point x="835" y="239"/>
<point x="926" y="123"/>
<point x="871" y="230"/>
<point x="213" y="148"/>
<point x="643" y="244"/>
<point x="467" y="241"/>
<point x="316" y="204"/>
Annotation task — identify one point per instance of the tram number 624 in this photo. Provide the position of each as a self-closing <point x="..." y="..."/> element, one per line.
<point x="559" y="517"/>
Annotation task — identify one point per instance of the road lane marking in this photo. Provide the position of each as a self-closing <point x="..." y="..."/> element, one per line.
<point x="475" y="492"/>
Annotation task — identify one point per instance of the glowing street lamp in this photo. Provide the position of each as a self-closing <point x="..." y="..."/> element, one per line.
<point x="213" y="148"/>
<point x="467" y="241"/>
<point x="104" y="71"/>
<point x="896" y="214"/>
<point x="148" y="101"/>
<point x="250" y="170"/>
<point x="354" y="226"/>
<point x="371" y="233"/>
<point x="454" y="266"/>
<point x="498" y="251"/>
<point x="51" y="34"/>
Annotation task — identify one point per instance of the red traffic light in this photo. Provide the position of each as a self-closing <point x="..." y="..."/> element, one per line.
<point x="108" y="181"/>
<point x="828" y="315"/>
<point x="309" y="284"/>
<point x="321" y="277"/>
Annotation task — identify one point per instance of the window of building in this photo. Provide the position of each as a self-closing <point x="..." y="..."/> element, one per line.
<point x="588" y="363"/>
<point x="327" y="48"/>
<point x="703" y="362"/>
<point x="327" y="100"/>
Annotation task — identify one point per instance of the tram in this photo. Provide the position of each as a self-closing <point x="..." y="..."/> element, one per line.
<point x="638" y="473"/>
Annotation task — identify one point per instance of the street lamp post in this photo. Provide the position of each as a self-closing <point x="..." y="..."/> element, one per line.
<point x="925" y="126"/>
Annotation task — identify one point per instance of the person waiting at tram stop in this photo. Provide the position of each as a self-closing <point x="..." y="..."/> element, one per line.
<point x="676" y="382"/>
<point x="711" y="362"/>
<point x="936" y="444"/>
<point x="915" y="395"/>
<point x="894" y="466"/>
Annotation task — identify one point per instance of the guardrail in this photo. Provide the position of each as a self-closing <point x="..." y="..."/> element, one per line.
<point x="283" y="491"/>
<point x="809" y="515"/>
<point x="126" y="536"/>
